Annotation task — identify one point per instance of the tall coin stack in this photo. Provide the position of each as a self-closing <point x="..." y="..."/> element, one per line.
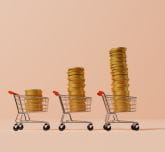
<point x="33" y="103"/>
<point x="76" y="85"/>
<point x="120" y="79"/>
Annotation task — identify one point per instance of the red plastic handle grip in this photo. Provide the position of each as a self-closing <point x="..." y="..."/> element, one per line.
<point x="56" y="93"/>
<point x="13" y="93"/>
<point x="100" y="93"/>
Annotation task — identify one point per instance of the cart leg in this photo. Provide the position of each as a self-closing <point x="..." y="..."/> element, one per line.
<point x="107" y="118"/>
<point x="70" y="117"/>
<point x="107" y="125"/>
<point x="18" y="122"/>
<point x="26" y="117"/>
<point x="16" y="119"/>
<point x="62" y="118"/>
<point x="62" y="125"/>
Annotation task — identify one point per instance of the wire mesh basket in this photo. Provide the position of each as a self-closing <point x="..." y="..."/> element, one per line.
<point x="129" y="101"/>
<point x="26" y="105"/>
<point x="116" y="104"/>
<point x="22" y="104"/>
<point x="82" y="104"/>
<point x="66" y="100"/>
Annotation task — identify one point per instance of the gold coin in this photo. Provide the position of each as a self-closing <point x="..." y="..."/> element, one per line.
<point x="115" y="89"/>
<point x="114" y="54"/>
<point x="77" y="102"/>
<point x="77" y="94"/>
<point x="77" y="105"/>
<point x="33" y="92"/>
<point x="119" y="49"/>
<point x="76" y="89"/>
<point x="33" y="100"/>
<point x="119" y="72"/>
<point x="120" y="93"/>
<point x="73" y="73"/>
<point x="120" y="86"/>
<point x="77" y="98"/>
<point x="119" y="67"/>
<point x="76" y="69"/>
<point x="76" y="77"/>
<point x="119" y="79"/>
<point x="118" y="59"/>
<point x="33" y="109"/>
<point x="33" y="106"/>
<point x="77" y="109"/>
<point x="76" y="83"/>
<point x="118" y="64"/>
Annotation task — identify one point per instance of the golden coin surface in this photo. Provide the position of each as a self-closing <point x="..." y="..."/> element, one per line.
<point x="76" y="89"/>
<point x="76" y="85"/>
<point x="33" y="92"/>
<point x="120" y="79"/>
<point x="76" y="69"/>
<point x="33" y="100"/>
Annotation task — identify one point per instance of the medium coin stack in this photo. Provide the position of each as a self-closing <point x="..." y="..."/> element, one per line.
<point x="120" y="79"/>
<point x="76" y="89"/>
<point x="33" y="101"/>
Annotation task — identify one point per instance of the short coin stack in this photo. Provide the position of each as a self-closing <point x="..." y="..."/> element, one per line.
<point x="76" y="85"/>
<point x="120" y="79"/>
<point x="33" y="101"/>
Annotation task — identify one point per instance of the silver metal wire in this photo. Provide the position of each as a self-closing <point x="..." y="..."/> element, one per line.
<point x="65" y="99"/>
<point x="21" y="100"/>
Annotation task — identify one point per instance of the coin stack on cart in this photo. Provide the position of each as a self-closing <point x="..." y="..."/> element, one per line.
<point x="33" y="101"/>
<point x="120" y="79"/>
<point x="76" y="89"/>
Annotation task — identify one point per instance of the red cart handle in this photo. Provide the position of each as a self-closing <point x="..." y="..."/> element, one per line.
<point x="13" y="93"/>
<point x="56" y="93"/>
<point x="100" y="93"/>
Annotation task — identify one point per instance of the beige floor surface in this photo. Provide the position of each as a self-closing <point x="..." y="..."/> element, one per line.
<point x="151" y="138"/>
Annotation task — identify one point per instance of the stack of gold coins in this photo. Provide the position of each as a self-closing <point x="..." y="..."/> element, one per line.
<point x="76" y="85"/>
<point x="120" y="79"/>
<point x="33" y="101"/>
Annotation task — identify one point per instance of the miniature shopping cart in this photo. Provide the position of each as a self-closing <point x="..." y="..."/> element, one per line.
<point x="64" y="101"/>
<point x="23" y="114"/>
<point x="109" y="105"/>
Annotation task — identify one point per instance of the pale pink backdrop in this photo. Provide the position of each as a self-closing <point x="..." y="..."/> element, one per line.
<point x="40" y="39"/>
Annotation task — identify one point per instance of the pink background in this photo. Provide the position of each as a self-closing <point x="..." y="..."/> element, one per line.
<point x="40" y="40"/>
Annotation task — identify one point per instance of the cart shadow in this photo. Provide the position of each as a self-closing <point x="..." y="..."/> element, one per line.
<point x="152" y="129"/>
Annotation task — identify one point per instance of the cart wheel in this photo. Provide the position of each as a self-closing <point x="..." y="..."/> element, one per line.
<point x="107" y="127"/>
<point x="62" y="127"/>
<point x="20" y="126"/>
<point x="46" y="127"/>
<point x="90" y="127"/>
<point x="135" y="126"/>
<point x="16" y="127"/>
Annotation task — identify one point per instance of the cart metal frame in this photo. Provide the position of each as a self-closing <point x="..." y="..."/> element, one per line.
<point x="23" y="116"/>
<point x="64" y="102"/>
<point x="107" y="100"/>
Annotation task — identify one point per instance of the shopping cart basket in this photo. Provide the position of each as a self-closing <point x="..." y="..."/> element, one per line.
<point x="64" y="101"/>
<point x="109" y="105"/>
<point x="23" y="114"/>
